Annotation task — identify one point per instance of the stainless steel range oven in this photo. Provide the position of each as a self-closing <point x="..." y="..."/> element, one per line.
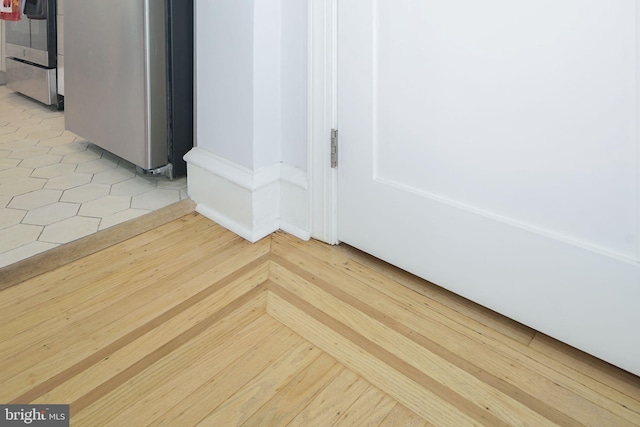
<point x="31" y="50"/>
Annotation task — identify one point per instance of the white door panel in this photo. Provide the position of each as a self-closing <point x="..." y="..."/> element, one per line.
<point x="461" y="107"/>
<point x="492" y="148"/>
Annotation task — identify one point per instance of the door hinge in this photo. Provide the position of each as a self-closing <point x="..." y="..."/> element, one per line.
<point x="334" y="148"/>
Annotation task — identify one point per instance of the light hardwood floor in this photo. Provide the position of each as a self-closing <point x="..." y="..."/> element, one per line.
<point x="187" y="324"/>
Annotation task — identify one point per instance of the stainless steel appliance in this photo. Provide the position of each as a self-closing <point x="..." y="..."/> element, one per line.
<point x="31" y="50"/>
<point x="129" y="78"/>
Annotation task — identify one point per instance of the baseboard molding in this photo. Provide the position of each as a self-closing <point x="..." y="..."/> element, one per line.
<point x="252" y="204"/>
<point x="252" y="235"/>
<point x="294" y="230"/>
<point x="294" y="202"/>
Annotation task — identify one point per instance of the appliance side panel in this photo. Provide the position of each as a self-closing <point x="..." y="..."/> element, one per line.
<point x="105" y="98"/>
<point x="156" y="83"/>
<point x="51" y="29"/>
<point x="181" y="64"/>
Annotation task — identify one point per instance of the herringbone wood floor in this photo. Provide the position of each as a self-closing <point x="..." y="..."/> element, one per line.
<point x="188" y="324"/>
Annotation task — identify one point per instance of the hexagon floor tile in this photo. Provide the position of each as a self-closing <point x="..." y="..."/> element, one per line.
<point x="56" y="187"/>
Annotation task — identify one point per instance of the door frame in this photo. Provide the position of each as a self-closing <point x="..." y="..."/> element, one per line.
<point x="322" y="116"/>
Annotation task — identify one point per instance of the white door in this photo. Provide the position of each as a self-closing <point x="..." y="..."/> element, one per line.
<point x="492" y="147"/>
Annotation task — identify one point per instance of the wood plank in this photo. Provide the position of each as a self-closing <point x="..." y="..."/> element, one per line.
<point x="420" y="400"/>
<point x="57" y="257"/>
<point x="292" y="398"/>
<point x="194" y="373"/>
<point x="125" y="318"/>
<point x="147" y="294"/>
<point x="401" y="416"/>
<point x="251" y="396"/>
<point x="403" y="354"/>
<point x="215" y="389"/>
<point x="161" y="384"/>
<point x="513" y="368"/>
<point x="370" y="409"/>
<point x="574" y="360"/>
<point x="185" y="326"/>
<point x="336" y="398"/>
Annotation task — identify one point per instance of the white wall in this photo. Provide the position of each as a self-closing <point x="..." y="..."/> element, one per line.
<point x="224" y="79"/>
<point x="294" y="82"/>
<point x="251" y="82"/>
<point x="267" y="67"/>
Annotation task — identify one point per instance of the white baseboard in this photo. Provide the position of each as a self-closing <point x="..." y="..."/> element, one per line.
<point x="294" y="202"/>
<point x="250" y="234"/>
<point x="252" y="204"/>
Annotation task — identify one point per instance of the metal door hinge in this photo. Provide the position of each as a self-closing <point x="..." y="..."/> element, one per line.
<point x="334" y="148"/>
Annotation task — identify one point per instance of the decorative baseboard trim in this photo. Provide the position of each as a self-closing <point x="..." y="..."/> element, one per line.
<point x="252" y="204"/>
<point x="238" y="174"/>
<point x="252" y="235"/>
<point x="294" y="202"/>
<point x="294" y="230"/>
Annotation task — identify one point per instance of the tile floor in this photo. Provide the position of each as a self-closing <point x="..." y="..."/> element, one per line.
<point x="56" y="187"/>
